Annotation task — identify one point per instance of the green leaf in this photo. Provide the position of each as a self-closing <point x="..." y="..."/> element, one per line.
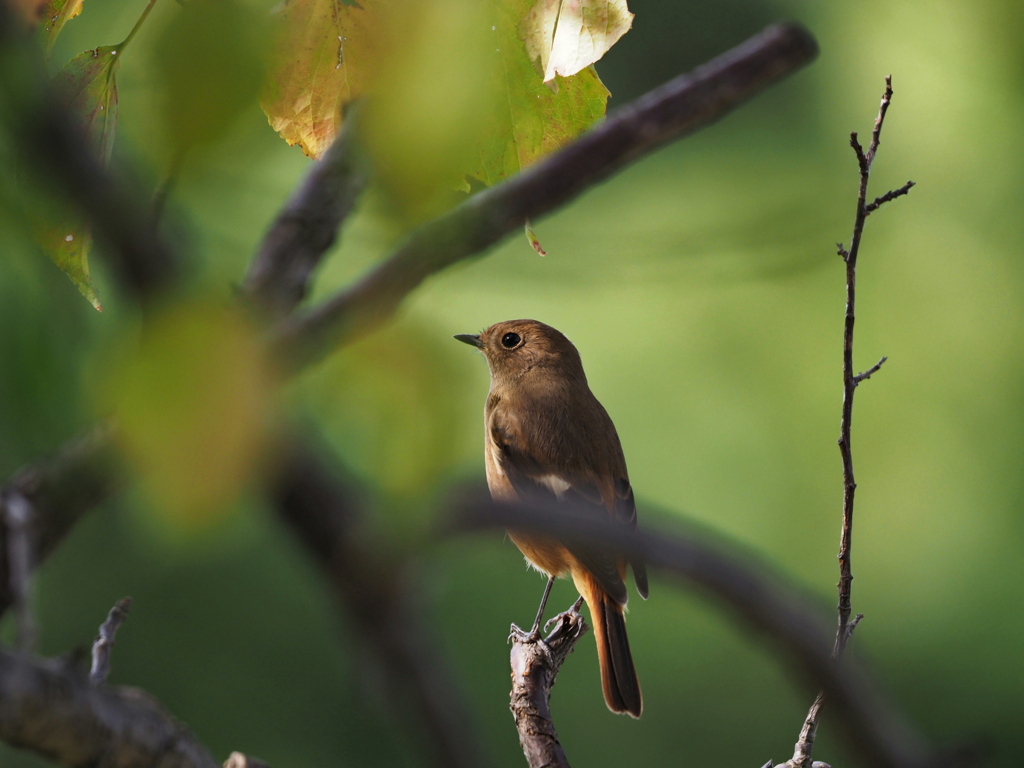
<point x="88" y="85"/>
<point x="534" y="120"/>
<point x="565" y="36"/>
<point x="68" y="246"/>
<point x="57" y="13"/>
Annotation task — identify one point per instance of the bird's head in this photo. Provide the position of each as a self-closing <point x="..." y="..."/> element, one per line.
<point x="515" y="348"/>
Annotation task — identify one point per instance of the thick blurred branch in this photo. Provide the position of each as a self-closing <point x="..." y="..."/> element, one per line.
<point x="535" y="664"/>
<point x="57" y="145"/>
<point x="676" y="109"/>
<point x="761" y="599"/>
<point x="50" y="707"/>
<point x="325" y="513"/>
<point x="280" y="273"/>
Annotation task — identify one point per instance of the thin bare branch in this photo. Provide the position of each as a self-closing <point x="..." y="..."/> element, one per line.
<point x="869" y="372"/>
<point x="676" y="109"/>
<point x="50" y="707"/>
<point x="876" y="132"/>
<point x="535" y="665"/>
<point x="878" y="202"/>
<point x="104" y="644"/>
<point x="805" y="742"/>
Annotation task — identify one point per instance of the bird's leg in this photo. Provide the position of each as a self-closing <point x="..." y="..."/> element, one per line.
<point x="534" y="634"/>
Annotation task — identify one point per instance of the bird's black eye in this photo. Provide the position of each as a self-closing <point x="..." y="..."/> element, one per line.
<point x="510" y="340"/>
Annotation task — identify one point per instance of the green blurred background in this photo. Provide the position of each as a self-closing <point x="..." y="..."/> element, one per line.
<point x="703" y="291"/>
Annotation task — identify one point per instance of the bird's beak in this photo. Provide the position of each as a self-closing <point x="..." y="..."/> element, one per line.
<point x="469" y="338"/>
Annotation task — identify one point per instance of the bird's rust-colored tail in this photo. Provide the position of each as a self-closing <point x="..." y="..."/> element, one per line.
<point x="618" y="676"/>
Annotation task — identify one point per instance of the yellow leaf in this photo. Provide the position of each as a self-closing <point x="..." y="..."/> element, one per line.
<point x="317" y="66"/>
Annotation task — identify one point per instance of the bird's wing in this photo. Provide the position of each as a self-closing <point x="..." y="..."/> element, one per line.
<point x="625" y="512"/>
<point x="536" y="483"/>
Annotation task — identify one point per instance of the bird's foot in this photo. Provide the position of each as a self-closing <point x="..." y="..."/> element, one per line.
<point x="520" y="635"/>
<point x="565" y="619"/>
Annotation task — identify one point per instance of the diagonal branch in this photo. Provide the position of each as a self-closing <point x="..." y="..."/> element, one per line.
<point x="307" y="227"/>
<point x="676" y="109"/>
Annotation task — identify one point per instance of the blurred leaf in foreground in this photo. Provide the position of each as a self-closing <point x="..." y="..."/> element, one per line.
<point x="429" y="96"/>
<point x="210" y="62"/>
<point x="55" y="15"/>
<point x="565" y="36"/>
<point x="192" y="406"/>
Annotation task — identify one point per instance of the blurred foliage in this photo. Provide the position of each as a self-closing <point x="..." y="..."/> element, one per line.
<point x="702" y="289"/>
<point x="454" y="96"/>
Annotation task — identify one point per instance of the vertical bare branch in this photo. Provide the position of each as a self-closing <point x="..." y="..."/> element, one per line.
<point x="805" y="742"/>
<point x="60" y="491"/>
<point x="17" y="518"/>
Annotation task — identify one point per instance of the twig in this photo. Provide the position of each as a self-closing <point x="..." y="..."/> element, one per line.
<point x="50" y="707"/>
<point x="535" y="665"/>
<point x="17" y="520"/>
<point x="324" y="512"/>
<point x="805" y="742"/>
<point x="104" y="644"/>
<point x="878" y="202"/>
<point x="869" y="372"/>
<point x="676" y="109"/>
<point x="307" y="226"/>
<point x="759" y="597"/>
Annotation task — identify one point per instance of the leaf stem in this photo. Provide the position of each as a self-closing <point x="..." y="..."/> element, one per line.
<point x="142" y="18"/>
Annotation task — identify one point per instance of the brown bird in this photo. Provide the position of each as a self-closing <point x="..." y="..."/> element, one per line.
<point x="546" y="437"/>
